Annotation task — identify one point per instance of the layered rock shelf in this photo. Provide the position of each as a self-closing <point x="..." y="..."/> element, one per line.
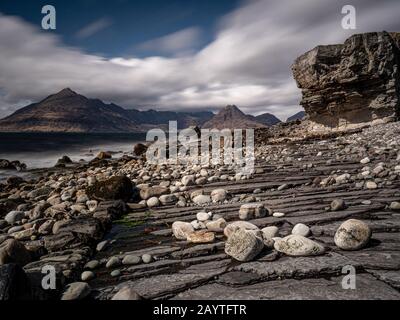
<point x="187" y="232"/>
<point x="350" y="85"/>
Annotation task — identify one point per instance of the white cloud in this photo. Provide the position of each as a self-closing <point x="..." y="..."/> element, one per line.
<point x="247" y="64"/>
<point x="93" y="28"/>
<point x="176" y="43"/>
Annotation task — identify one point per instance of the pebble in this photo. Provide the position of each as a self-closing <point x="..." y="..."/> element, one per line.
<point x="126" y="294"/>
<point x="243" y="245"/>
<point x="202" y="199"/>
<point x="131" y="260"/>
<point x="365" y="160"/>
<point x="338" y="204"/>
<point x="298" y="246"/>
<point x="353" y="235"/>
<point x="270" y="232"/>
<point x="204" y="216"/>
<point x="102" y="245"/>
<point x="182" y="229"/>
<point x="371" y="185"/>
<point x="216" y="225"/>
<point x="395" y="205"/>
<point x="87" y="276"/>
<point x="14" y="217"/>
<point x="147" y="258"/>
<point x="115" y="273"/>
<point x="113" y="262"/>
<point x="202" y="236"/>
<point x="219" y="195"/>
<point x="153" y="202"/>
<point x="301" y="230"/>
<point x="279" y="214"/>
<point x="76" y="291"/>
<point x="250" y="211"/>
<point x="92" y="264"/>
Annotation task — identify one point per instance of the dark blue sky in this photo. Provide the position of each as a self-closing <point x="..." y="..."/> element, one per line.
<point x="129" y="23"/>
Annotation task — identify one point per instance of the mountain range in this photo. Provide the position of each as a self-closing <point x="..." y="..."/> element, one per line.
<point x="68" y="111"/>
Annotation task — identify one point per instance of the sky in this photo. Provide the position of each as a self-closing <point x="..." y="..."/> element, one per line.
<point x="172" y="54"/>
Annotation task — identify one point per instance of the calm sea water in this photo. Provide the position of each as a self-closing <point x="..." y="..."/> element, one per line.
<point x="42" y="150"/>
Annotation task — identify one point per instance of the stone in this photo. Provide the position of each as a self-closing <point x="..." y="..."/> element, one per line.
<point x="270" y="232"/>
<point x="202" y="199"/>
<point x="113" y="262"/>
<point x="243" y="245"/>
<point x="279" y="214"/>
<point x="232" y="227"/>
<point x="216" y="225"/>
<point x="93" y="264"/>
<point x="336" y="81"/>
<point x="115" y="273"/>
<point x="188" y="180"/>
<point x="202" y="236"/>
<point x="338" y="204"/>
<point x="153" y="202"/>
<point x="76" y="291"/>
<point x="13" y="251"/>
<point x="353" y="235"/>
<point x="197" y="225"/>
<point x="365" y="160"/>
<point x="204" y="216"/>
<point x="147" y="258"/>
<point x="298" y="246"/>
<point x="252" y="210"/>
<point x="395" y="206"/>
<point x="168" y="199"/>
<point x="371" y="185"/>
<point x="104" y="155"/>
<point x="126" y="294"/>
<point x="131" y="260"/>
<point x="301" y="230"/>
<point x="115" y="188"/>
<point x="87" y="276"/>
<point x="219" y="195"/>
<point x="102" y="245"/>
<point x="156" y="191"/>
<point x="14" y="216"/>
<point x="139" y="149"/>
<point x="181" y="230"/>
<point x="92" y="205"/>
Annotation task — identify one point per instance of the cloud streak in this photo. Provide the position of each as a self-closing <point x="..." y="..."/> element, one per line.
<point x="247" y="63"/>
<point x="93" y="28"/>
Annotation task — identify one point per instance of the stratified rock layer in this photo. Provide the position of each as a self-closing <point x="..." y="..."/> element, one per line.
<point x="351" y="84"/>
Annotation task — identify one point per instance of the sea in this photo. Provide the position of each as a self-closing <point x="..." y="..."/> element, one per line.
<point x="42" y="150"/>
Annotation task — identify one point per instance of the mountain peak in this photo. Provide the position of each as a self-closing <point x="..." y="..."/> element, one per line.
<point x="231" y="117"/>
<point x="66" y="92"/>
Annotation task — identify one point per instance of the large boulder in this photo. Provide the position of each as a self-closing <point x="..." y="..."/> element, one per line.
<point x="13" y="251"/>
<point x="353" y="235"/>
<point x="244" y="245"/>
<point x="115" y="188"/>
<point x="349" y="84"/>
<point x="14" y="284"/>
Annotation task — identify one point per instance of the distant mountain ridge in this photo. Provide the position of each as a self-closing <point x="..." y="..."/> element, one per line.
<point x="68" y="111"/>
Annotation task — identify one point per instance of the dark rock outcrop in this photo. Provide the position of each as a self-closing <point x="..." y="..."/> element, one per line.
<point x="14" y="284"/>
<point x="348" y="85"/>
<point x="115" y="188"/>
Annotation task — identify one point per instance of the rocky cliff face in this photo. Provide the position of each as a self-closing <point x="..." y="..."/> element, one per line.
<point x="351" y="84"/>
